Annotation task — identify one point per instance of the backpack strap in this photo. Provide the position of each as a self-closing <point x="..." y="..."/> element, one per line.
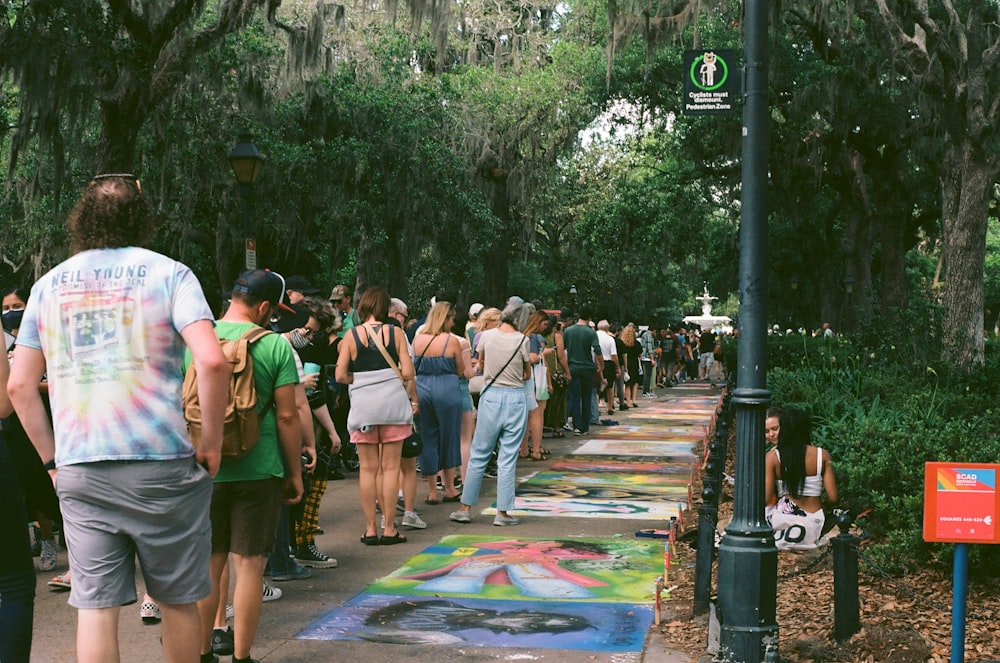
<point x="251" y="336"/>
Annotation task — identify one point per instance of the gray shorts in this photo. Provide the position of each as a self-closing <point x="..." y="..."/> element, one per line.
<point x="115" y="511"/>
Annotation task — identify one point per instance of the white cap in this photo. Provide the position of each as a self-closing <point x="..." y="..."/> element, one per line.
<point x="475" y="309"/>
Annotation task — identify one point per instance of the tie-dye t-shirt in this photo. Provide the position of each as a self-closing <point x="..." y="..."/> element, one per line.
<point x="108" y="322"/>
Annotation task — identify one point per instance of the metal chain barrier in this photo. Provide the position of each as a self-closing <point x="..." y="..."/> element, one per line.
<point x="914" y="595"/>
<point x="809" y="567"/>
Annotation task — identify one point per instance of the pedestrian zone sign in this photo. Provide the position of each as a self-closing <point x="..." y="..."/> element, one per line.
<point x="711" y="82"/>
<point x="961" y="502"/>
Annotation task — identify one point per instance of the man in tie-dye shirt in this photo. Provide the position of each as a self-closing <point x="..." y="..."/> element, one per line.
<point x="108" y="326"/>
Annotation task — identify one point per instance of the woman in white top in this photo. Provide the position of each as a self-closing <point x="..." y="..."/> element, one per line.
<point x="796" y="476"/>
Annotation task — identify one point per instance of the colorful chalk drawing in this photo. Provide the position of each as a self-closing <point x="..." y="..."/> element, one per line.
<point x="569" y="593"/>
<point x="600" y="508"/>
<point x="668" y="451"/>
<point x="623" y="464"/>
<point x="567" y="568"/>
<point x="559" y="479"/>
<point x="409" y="620"/>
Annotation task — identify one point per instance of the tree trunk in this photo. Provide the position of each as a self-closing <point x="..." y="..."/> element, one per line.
<point x="966" y="188"/>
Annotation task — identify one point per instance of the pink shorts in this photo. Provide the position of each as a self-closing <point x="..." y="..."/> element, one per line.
<point x="382" y="434"/>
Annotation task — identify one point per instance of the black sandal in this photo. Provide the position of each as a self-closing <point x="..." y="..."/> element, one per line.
<point x="392" y="540"/>
<point x="370" y="540"/>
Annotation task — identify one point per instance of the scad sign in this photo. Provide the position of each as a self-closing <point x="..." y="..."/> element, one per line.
<point x="961" y="502"/>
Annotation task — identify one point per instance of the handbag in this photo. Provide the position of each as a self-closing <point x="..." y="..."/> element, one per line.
<point x="413" y="446"/>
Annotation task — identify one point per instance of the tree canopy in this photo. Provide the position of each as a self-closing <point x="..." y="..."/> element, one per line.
<point x="511" y="148"/>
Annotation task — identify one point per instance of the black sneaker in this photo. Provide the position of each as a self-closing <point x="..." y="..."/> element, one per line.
<point x="491" y="472"/>
<point x="222" y="641"/>
<point x="309" y="555"/>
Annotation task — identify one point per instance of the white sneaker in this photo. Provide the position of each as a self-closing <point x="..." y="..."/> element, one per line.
<point x="413" y="521"/>
<point x="460" y="516"/>
<point x="149" y="612"/>
<point x="229" y="607"/>
<point x="47" y="556"/>
<point x="271" y="593"/>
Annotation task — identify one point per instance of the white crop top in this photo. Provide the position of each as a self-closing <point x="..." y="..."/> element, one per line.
<point x="813" y="486"/>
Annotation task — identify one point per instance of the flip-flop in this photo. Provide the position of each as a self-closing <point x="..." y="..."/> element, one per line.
<point x="453" y="498"/>
<point x="430" y="501"/>
<point x="392" y="540"/>
<point x="370" y="540"/>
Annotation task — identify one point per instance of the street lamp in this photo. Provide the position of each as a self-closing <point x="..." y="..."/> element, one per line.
<point x="246" y="162"/>
<point x="748" y="558"/>
<point x="572" y="297"/>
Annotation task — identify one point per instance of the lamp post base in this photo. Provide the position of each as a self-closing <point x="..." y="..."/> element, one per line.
<point x="748" y="566"/>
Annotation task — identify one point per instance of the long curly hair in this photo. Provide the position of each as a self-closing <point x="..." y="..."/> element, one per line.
<point x="111" y="213"/>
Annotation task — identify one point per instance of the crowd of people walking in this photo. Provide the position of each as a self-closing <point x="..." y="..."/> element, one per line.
<point x="121" y="376"/>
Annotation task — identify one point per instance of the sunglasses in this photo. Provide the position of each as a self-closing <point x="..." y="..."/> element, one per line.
<point x="117" y="176"/>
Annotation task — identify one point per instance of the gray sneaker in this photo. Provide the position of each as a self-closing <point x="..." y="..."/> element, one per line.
<point x="502" y="520"/>
<point x="413" y="521"/>
<point x="47" y="555"/>
<point x="460" y="516"/>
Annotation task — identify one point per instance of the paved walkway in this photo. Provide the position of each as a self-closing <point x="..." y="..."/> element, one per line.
<point x="587" y="598"/>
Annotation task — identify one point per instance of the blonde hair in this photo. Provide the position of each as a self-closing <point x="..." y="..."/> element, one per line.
<point x="488" y="318"/>
<point x="437" y="318"/>
<point x="628" y="336"/>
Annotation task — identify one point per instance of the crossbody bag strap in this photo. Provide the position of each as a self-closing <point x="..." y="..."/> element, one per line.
<point x="500" y="372"/>
<point x="376" y="339"/>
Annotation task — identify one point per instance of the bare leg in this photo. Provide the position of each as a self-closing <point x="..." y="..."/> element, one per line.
<point x="368" y="456"/>
<point x="408" y="478"/>
<point x="468" y="428"/>
<point x="448" y="477"/>
<point x="208" y="606"/>
<point x="536" y="424"/>
<point x="389" y="461"/>
<point x="180" y="629"/>
<point x="220" y="612"/>
<point x="247" y="600"/>
<point x="97" y="635"/>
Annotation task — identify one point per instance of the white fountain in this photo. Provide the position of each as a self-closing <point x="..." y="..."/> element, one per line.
<point x="706" y="320"/>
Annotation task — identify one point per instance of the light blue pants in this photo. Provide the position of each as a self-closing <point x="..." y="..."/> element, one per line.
<point x="503" y="417"/>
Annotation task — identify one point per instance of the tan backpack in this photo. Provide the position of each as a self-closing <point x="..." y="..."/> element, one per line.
<point x="241" y="428"/>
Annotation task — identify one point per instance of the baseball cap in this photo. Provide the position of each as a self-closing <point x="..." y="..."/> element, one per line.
<point x="339" y="292"/>
<point x="265" y="285"/>
<point x="301" y="284"/>
<point x="475" y="309"/>
<point x="296" y="320"/>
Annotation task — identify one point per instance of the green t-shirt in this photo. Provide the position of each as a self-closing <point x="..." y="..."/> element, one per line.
<point x="581" y="345"/>
<point x="273" y="367"/>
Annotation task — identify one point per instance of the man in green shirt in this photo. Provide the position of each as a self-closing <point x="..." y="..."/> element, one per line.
<point x="583" y="352"/>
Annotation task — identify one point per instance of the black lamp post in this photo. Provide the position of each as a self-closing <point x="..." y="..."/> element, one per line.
<point x="246" y="162"/>
<point x="748" y="559"/>
<point x="572" y="297"/>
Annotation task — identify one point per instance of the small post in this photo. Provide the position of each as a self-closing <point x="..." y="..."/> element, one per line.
<point x="960" y="585"/>
<point x="708" y="515"/>
<point x="846" y="606"/>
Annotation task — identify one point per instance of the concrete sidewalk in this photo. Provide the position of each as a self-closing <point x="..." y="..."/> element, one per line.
<point x="306" y="600"/>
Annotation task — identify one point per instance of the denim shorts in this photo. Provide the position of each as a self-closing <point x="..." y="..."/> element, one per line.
<point x="116" y="511"/>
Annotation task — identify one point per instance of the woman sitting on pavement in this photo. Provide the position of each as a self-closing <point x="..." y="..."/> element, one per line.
<point x="796" y="476"/>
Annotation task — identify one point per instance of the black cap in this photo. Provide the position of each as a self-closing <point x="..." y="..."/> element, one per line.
<point x="301" y="284"/>
<point x="264" y="285"/>
<point x="296" y="320"/>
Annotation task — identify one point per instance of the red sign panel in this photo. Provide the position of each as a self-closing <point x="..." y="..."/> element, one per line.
<point x="961" y="502"/>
